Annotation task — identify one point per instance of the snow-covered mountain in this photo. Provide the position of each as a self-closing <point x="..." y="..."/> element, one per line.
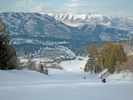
<point x="99" y="32"/>
<point x="41" y="25"/>
<point x="35" y="31"/>
<point x="36" y="25"/>
<point x="81" y="19"/>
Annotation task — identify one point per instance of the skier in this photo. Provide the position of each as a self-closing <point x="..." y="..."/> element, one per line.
<point x="104" y="80"/>
<point x="101" y="77"/>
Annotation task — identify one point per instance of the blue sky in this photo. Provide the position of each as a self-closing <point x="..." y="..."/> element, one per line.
<point x="108" y="7"/>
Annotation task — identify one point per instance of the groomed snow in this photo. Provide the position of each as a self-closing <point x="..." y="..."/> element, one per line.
<point x="76" y="65"/>
<point x="63" y="85"/>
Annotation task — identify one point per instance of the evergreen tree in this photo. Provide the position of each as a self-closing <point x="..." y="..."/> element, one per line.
<point x="112" y="60"/>
<point x="8" y="59"/>
<point x="110" y="56"/>
<point x="91" y="63"/>
<point x="121" y="54"/>
<point x="101" y="57"/>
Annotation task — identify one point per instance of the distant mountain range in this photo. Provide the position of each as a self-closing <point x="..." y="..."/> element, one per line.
<point x="37" y="25"/>
<point x="35" y="31"/>
<point x="110" y="28"/>
<point x="93" y="27"/>
<point x="81" y="19"/>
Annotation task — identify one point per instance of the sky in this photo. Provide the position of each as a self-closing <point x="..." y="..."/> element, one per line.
<point x="108" y="7"/>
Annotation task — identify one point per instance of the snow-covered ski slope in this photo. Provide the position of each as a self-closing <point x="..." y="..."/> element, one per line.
<point x="64" y="85"/>
<point x="76" y="65"/>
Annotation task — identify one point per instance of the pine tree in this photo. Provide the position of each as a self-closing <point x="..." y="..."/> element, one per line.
<point x="111" y="56"/>
<point x="101" y="57"/>
<point x="91" y="63"/>
<point x="8" y="58"/>
<point x="112" y="60"/>
<point x="122" y="54"/>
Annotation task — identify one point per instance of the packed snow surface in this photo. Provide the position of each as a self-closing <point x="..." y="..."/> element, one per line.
<point x="76" y="65"/>
<point x="63" y="85"/>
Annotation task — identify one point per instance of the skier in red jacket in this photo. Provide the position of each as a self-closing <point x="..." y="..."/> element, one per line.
<point x="101" y="77"/>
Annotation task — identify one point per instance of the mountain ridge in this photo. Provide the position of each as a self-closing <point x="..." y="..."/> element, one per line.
<point x="34" y="32"/>
<point x="42" y="25"/>
<point x="92" y="18"/>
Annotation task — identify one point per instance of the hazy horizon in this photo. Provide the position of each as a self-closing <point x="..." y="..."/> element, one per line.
<point x="122" y="8"/>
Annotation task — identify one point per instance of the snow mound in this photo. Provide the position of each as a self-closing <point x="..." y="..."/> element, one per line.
<point x="104" y="74"/>
<point x="104" y="71"/>
<point x="123" y="75"/>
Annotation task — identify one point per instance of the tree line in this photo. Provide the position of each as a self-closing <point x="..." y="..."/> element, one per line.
<point x="110" y="56"/>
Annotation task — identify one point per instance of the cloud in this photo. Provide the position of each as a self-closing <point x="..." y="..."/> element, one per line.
<point x="74" y="0"/>
<point x="30" y="1"/>
<point x="31" y="5"/>
<point x="20" y="3"/>
<point x="39" y="7"/>
<point x="71" y="5"/>
<point x="82" y="4"/>
<point x="78" y="6"/>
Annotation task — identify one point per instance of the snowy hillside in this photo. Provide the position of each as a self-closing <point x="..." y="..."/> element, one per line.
<point x="76" y="65"/>
<point x="81" y="19"/>
<point x="35" y="25"/>
<point x="58" y="51"/>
